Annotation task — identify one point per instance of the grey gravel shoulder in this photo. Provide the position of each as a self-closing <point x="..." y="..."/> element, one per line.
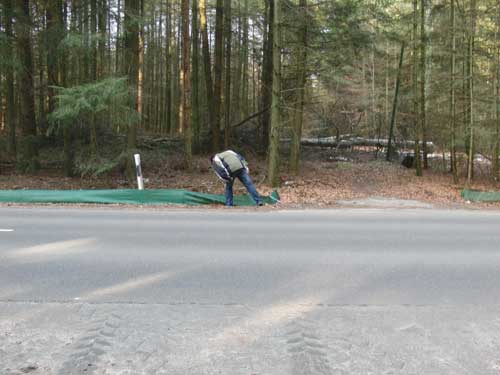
<point x="378" y="202"/>
<point x="290" y="339"/>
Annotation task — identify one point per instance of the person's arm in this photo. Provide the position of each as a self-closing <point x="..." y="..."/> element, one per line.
<point x="220" y="170"/>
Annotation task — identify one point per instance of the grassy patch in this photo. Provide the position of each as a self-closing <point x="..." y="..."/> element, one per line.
<point x="344" y="165"/>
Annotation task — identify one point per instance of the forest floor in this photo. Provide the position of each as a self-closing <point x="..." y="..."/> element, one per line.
<point x="325" y="180"/>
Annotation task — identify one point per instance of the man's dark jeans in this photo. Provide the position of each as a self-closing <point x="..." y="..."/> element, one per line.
<point x="245" y="179"/>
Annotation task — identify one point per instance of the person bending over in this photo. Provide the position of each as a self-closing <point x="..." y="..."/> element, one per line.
<point x="229" y="165"/>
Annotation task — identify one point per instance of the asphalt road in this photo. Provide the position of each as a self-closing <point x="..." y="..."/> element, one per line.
<point x="249" y="292"/>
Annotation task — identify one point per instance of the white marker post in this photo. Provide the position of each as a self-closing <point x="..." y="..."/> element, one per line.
<point x="138" y="171"/>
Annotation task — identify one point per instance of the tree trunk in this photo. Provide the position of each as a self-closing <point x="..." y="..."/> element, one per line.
<point x="2" y="121"/>
<point x="195" y="82"/>
<point x="54" y="32"/>
<point x="73" y="68"/>
<point x="496" y="149"/>
<point x="267" y="72"/>
<point x="176" y="99"/>
<point x="118" y="36"/>
<point x="386" y="96"/>
<point x="274" y="160"/>
<point x="227" y="67"/>
<point x="373" y="94"/>
<point x="140" y="63"/>
<point x="395" y="103"/>
<point x="85" y="77"/>
<point x="339" y="141"/>
<point x="453" y="154"/>
<point x="131" y="63"/>
<point x="93" y="44"/>
<point x="208" y="76"/>
<point x="93" y="74"/>
<point x="69" y="154"/>
<point x="168" y="72"/>
<point x="186" y="85"/>
<point x="416" y="122"/>
<point x="42" y="82"/>
<point x="152" y="73"/>
<point x="160" y="80"/>
<point x="102" y="18"/>
<point x="301" y="87"/>
<point x="9" y="81"/>
<point x="236" y="100"/>
<point x="422" y="81"/>
<point x="218" y="64"/>
<point x="255" y="76"/>
<point x="470" y="169"/>
<point x="27" y="150"/>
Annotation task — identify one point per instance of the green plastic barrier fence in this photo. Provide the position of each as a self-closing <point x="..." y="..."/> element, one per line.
<point x="481" y="196"/>
<point x="126" y="196"/>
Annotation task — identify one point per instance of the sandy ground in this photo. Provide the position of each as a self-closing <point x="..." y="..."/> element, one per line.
<point x="295" y="338"/>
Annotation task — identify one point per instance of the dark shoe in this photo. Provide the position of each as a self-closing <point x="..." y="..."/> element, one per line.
<point x="260" y="204"/>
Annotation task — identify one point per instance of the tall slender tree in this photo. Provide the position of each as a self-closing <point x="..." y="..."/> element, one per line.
<point x="54" y="37"/>
<point x="423" y="41"/>
<point x="131" y="64"/>
<point x="27" y="150"/>
<point x="93" y="40"/>
<point x="168" y="65"/>
<point x="245" y="68"/>
<point x="209" y="88"/>
<point x="267" y="75"/>
<point x="416" y="122"/>
<point x="301" y="74"/>
<point x="496" y="147"/>
<point x="186" y="84"/>
<point x="93" y="73"/>
<point x="218" y="64"/>
<point x="102" y="21"/>
<point x="195" y="82"/>
<point x="9" y="79"/>
<point x="274" y="159"/>
<point x="227" y="68"/>
<point x="118" y="44"/>
<point x="471" y="38"/>
<point x="238" y="70"/>
<point x="395" y="103"/>
<point x="140" y="60"/>
<point x="452" y="115"/>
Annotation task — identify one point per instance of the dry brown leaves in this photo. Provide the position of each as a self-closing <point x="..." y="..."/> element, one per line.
<point x="320" y="184"/>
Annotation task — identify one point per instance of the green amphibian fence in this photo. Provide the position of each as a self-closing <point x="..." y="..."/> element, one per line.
<point x="126" y="196"/>
<point x="481" y="196"/>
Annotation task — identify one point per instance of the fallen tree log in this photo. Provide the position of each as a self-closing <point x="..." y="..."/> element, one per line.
<point x="357" y="141"/>
<point x="153" y="141"/>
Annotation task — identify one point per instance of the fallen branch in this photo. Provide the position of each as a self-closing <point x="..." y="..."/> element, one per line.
<point x="256" y="114"/>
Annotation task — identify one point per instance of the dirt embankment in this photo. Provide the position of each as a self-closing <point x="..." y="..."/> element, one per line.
<point x="321" y="182"/>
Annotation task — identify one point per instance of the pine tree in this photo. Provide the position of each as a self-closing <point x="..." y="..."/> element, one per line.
<point x="27" y="150"/>
<point x="208" y="76"/>
<point x="267" y="71"/>
<point x="227" y="68"/>
<point x="186" y="84"/>
<point x="9" y="79"/>
<point x="452" y="115"/>
<point x="301" y="74"/>
<point x="218" y="67"/>
<point x="274" y="160"/>
<point x="195" y="82"/>
<point x="132" y="69"/>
